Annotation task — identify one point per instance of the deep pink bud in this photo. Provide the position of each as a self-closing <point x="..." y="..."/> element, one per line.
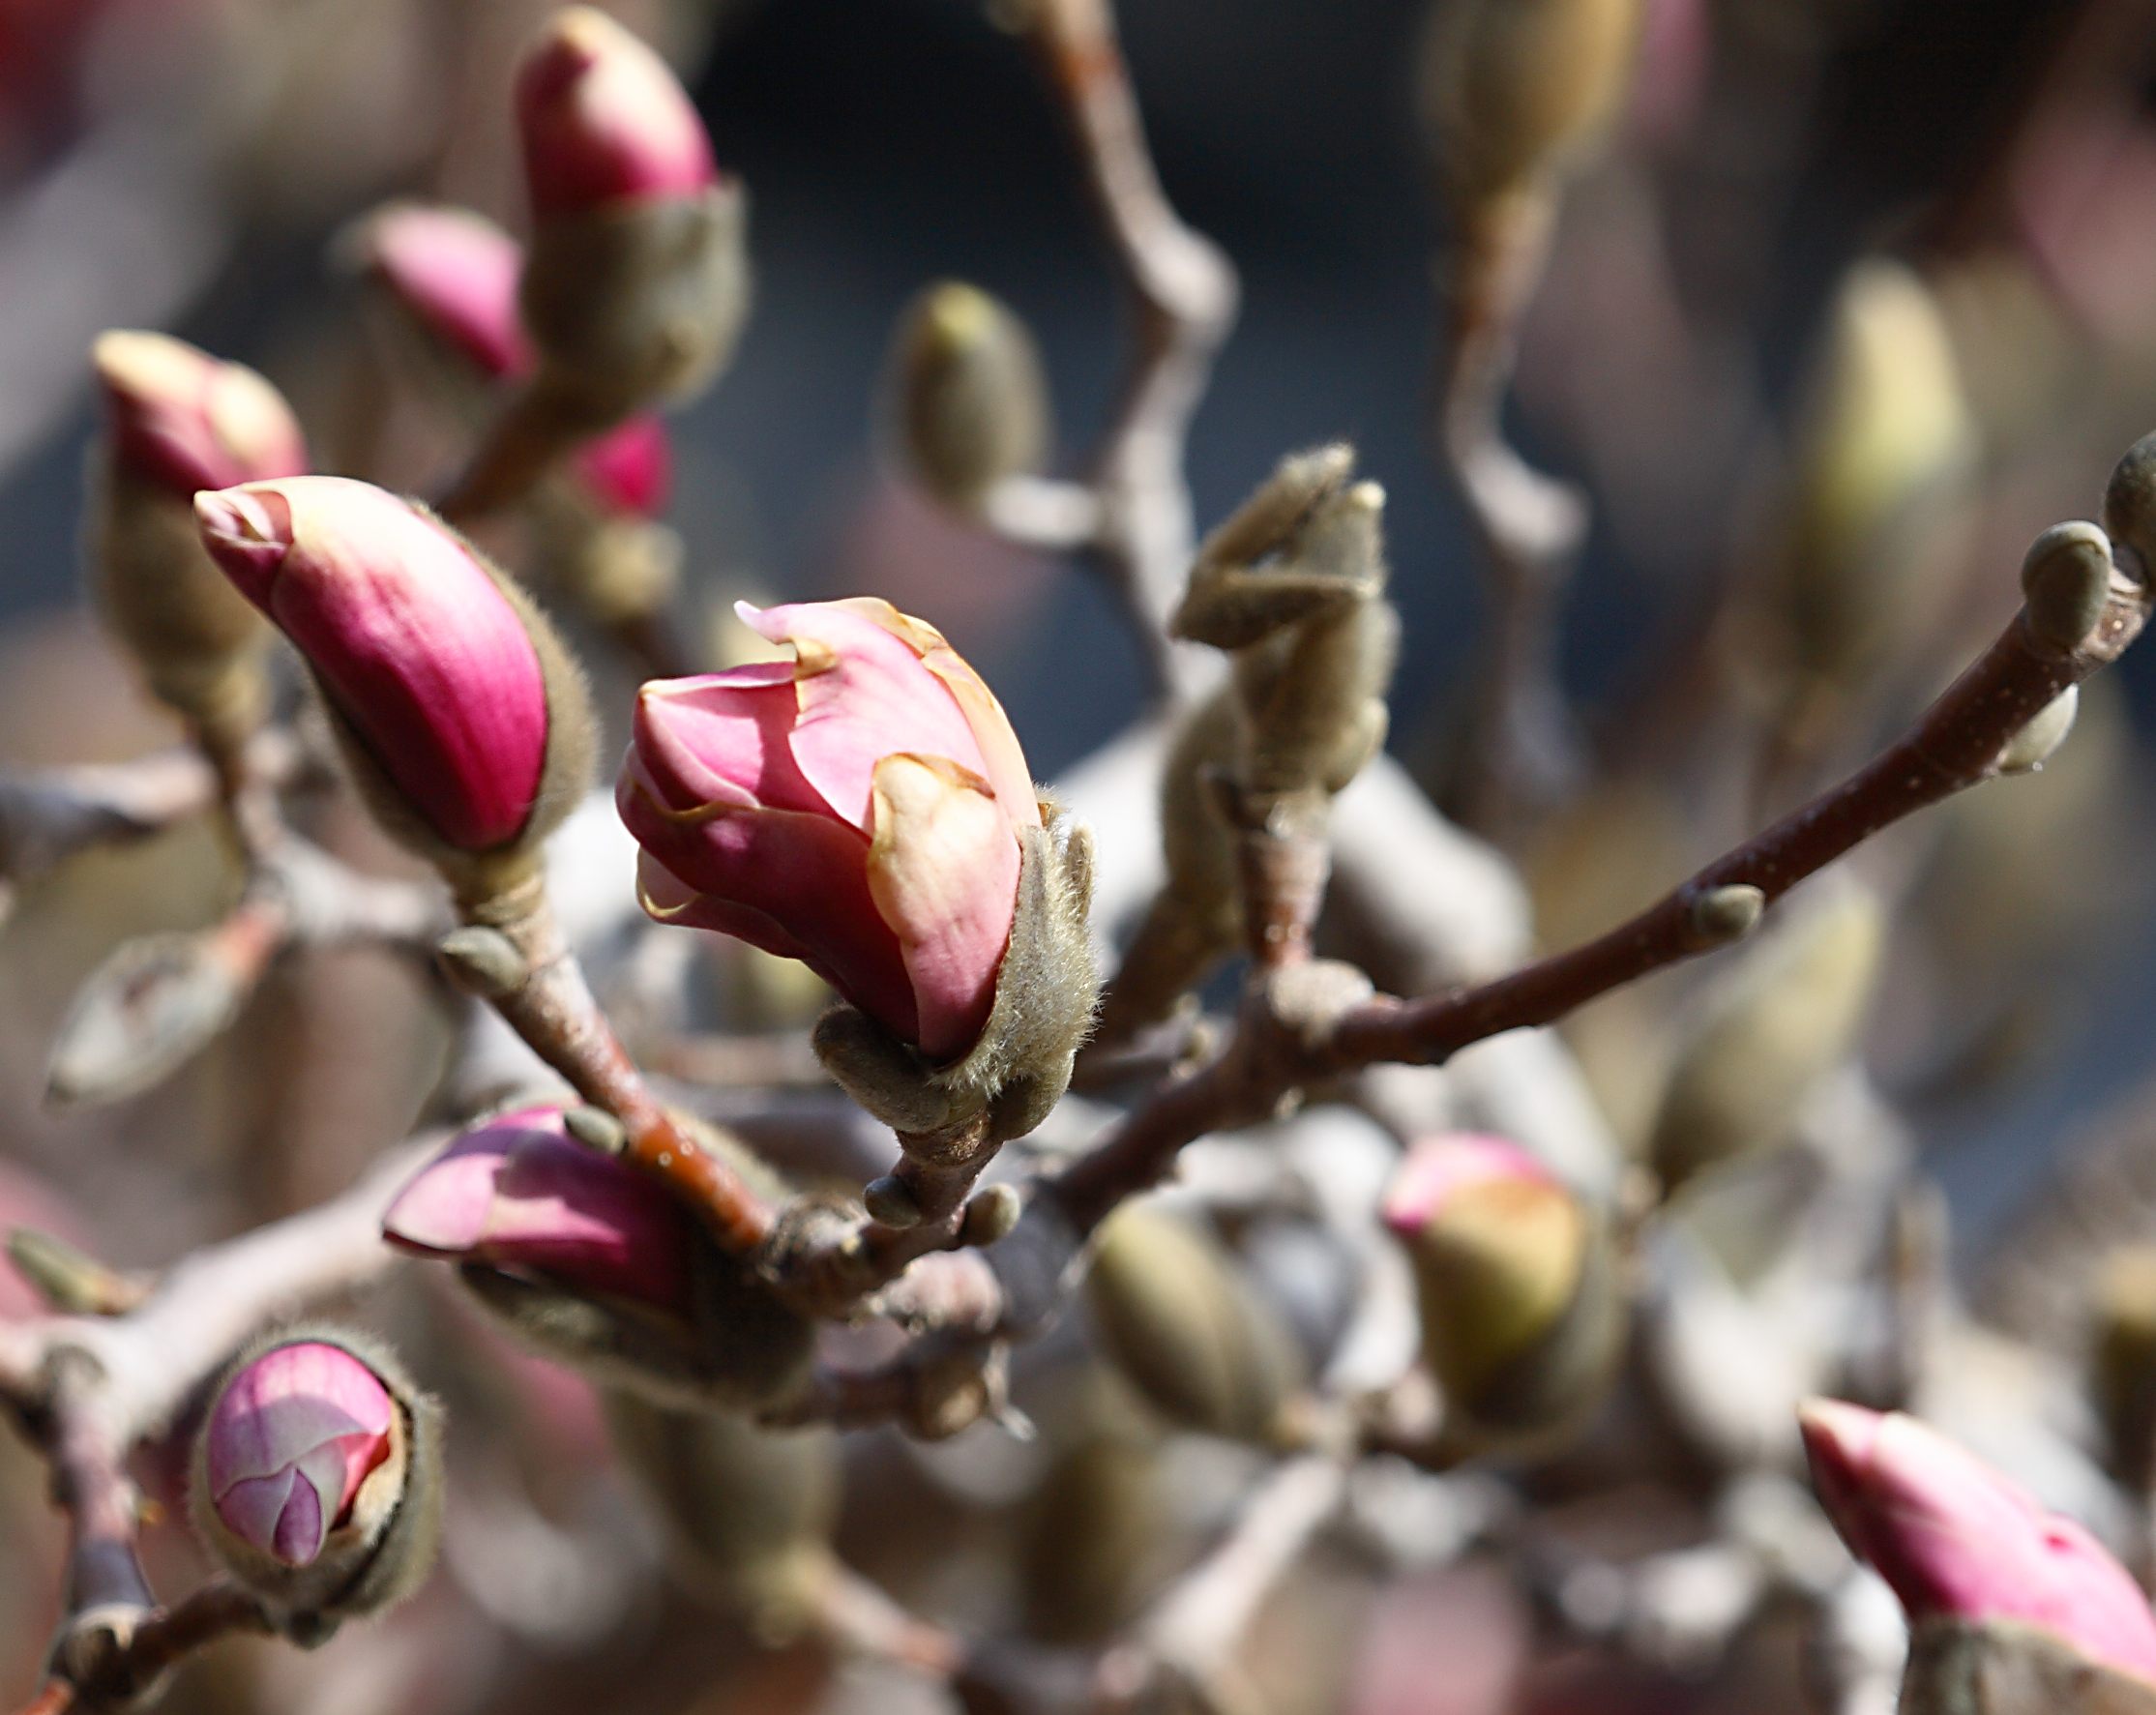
<point x="418" y="648"/>
<point x="1955" y="1538"/>
<point x="857" y="808"/>
<point x="629" y="471"/>
<point x="183" y="420"/>
<point x="288" y="1443"/>
<point x="1437" y="1168"/>
<point x="521" y="1193"/>
<point x="603" y="119"/>
<point x="457" y="273"/>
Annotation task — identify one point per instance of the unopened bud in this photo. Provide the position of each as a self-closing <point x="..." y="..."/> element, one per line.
<point x="1510" y="89"/>
<point x="748" y="1512"/>
<point x="461" y="717"/>
<point x="2130" y="506"/>
<point x="2029" y="749"/>
<point x="482" y="961"/>
<point x="2122" y="1363"/>
<point x="596" y="1263"/>
<point x="2066" y="580"/>
<point x="178" y="421"/>
<point x="967" y="398"/>
<point x="636" y="283"/>
<point x="1723" y="914"/>
<point x="1522" y="1314"/>
<point x="1186" y="1326"/>
<point x="1087" y="1535"/>
<point x="890" y="1199"/>
<point x="1785" y="1015"/>
<point x="991" y="1214"/>
<point x="318" y="1478"/>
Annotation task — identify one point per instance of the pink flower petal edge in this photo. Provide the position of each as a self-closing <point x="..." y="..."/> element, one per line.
<point x="603" y="120"/>
<point x="1435" y="1168"/>
<point x="1952" y="1536"/>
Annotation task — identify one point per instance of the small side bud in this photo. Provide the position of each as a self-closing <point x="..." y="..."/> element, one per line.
<point x="1785" y="1014"/>
<point x="1723" y="914"/>
<point x="2066" y="580"/>
<point x="2029" y="749"/>
<point x="1186" y="1327"/>
<point x="482" y="961"/>
<point x="891" y="1200"/>
<point x="2130" y="506"/>
<point x="318" y="1478"/>
<point x="71" y="1282"/>
<point x="596" y="1129"/>
<point x="151" y="1007"/>
<point x="967" y="400"/>
<point x="991" y="1214"/>
<point x="2122" y="1362"/>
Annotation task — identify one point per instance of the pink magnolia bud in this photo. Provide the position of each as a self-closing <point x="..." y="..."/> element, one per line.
<point x="413" y="640"/>
<point x="602" y="119"/>
<point x="1955" y="1539"/>
<point x="857" y="808"/>
<point x="186" y="422"/>
<point x="457" y="273"/>
<point x="519" y="1193"/>
<point x="630" y="471"/>
<point x="289" y="1443"/>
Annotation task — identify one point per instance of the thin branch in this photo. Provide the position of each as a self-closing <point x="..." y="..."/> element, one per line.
<point x="1183" y="294"/>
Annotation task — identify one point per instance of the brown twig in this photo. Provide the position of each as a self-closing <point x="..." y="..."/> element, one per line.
<point x="1133" y="512"/>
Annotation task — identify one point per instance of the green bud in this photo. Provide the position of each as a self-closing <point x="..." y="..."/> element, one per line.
<point x="1179" y="1318"/>
<point x="969" y="401"/>
<point x="1087" y="1538"/>
<point x="2066" y="578"/>
<point x="2122" y="1363"/>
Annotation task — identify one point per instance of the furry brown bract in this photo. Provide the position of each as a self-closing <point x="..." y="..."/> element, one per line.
<point x="1044" y="990"/>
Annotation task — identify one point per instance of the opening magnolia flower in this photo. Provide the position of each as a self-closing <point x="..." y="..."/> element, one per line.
<point x="857" y="808"/>
<point x="289" y="1443"/>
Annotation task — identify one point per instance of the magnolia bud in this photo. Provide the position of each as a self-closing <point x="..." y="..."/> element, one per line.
<point x="1782" y="1016"/>
<point x="2122" y="1363"/>
<point x="967" y="397"/>
<point x="318" y="1478"/>
<point x="1510" y="88"/>
<point x="451" y="276"/>
<point x="1523" y="1314"/>
<point x="2130" y="505"/>
<point x="1088" y="1535"/>
<point x="597" y="1265"/>
<point x="748" y="1512"/>
<point x="896" y="847"/>
<point x="178" y="421"/>
<point x="462" y="718"/>
<point x="637" y="284"/>
<point x="1959" y="1542"/>
<point x="1185" y="1325"/>
<point x="1886" y="446"/>
<point x="2029" y="749"/>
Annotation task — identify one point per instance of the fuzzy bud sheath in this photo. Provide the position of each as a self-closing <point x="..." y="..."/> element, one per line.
<point x="1522" y="1320"/>
<point x="597" y="1265"/>
<point x="318" y="1477"/>
<point x="1960" y="1542"/>
<point x="178" y="421"/>
<point x="866" y="808"/>
<point x="465" y="724"/>
<point x="968" y="398"/>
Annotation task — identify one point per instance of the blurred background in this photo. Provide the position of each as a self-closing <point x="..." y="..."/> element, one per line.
<point x="185" y="164"/>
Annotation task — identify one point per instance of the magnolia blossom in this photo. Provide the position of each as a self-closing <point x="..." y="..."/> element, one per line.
<point x="521" y="1193"/>
<point x="289" y="1443"/>
<point x="1953" y="1537"/>
<point x="858" y="807"/>
<point x="603" y="120"/>
<point x="456" y="272"/>
<point x="184" y="421"/>
<point x="411" y="637"/>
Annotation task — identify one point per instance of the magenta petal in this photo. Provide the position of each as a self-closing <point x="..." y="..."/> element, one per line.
<point x="602" y="119"/>
<point x="443" y="1211"/>
<point x="863" y="695"/>
<point x="456" y="271"/>
<point x="629" y="471"/>
<point x="300" y="1527"/>
<point x="1954" y="1537"/>
<point x="721" y="739"/>
<point x="416" y="644"/>
<point x="805" y="872"/>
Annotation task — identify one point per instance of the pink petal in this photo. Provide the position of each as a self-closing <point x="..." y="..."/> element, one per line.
<point x="1435" y="1168"/>
<point x="629" y="471"/>
<point x="1952" y="1536"/>
<point x="603" y="118"/>
<point x="944" y="875"/>
<point x="863" y="695"/>
<point x="290" y="1440"/>
<point x="184" y="420"/>
<point x="456" y="271"/>
<point x="300" y="1526"/>
<point x="418" y="646"/>
<point x="721" y="740"/>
